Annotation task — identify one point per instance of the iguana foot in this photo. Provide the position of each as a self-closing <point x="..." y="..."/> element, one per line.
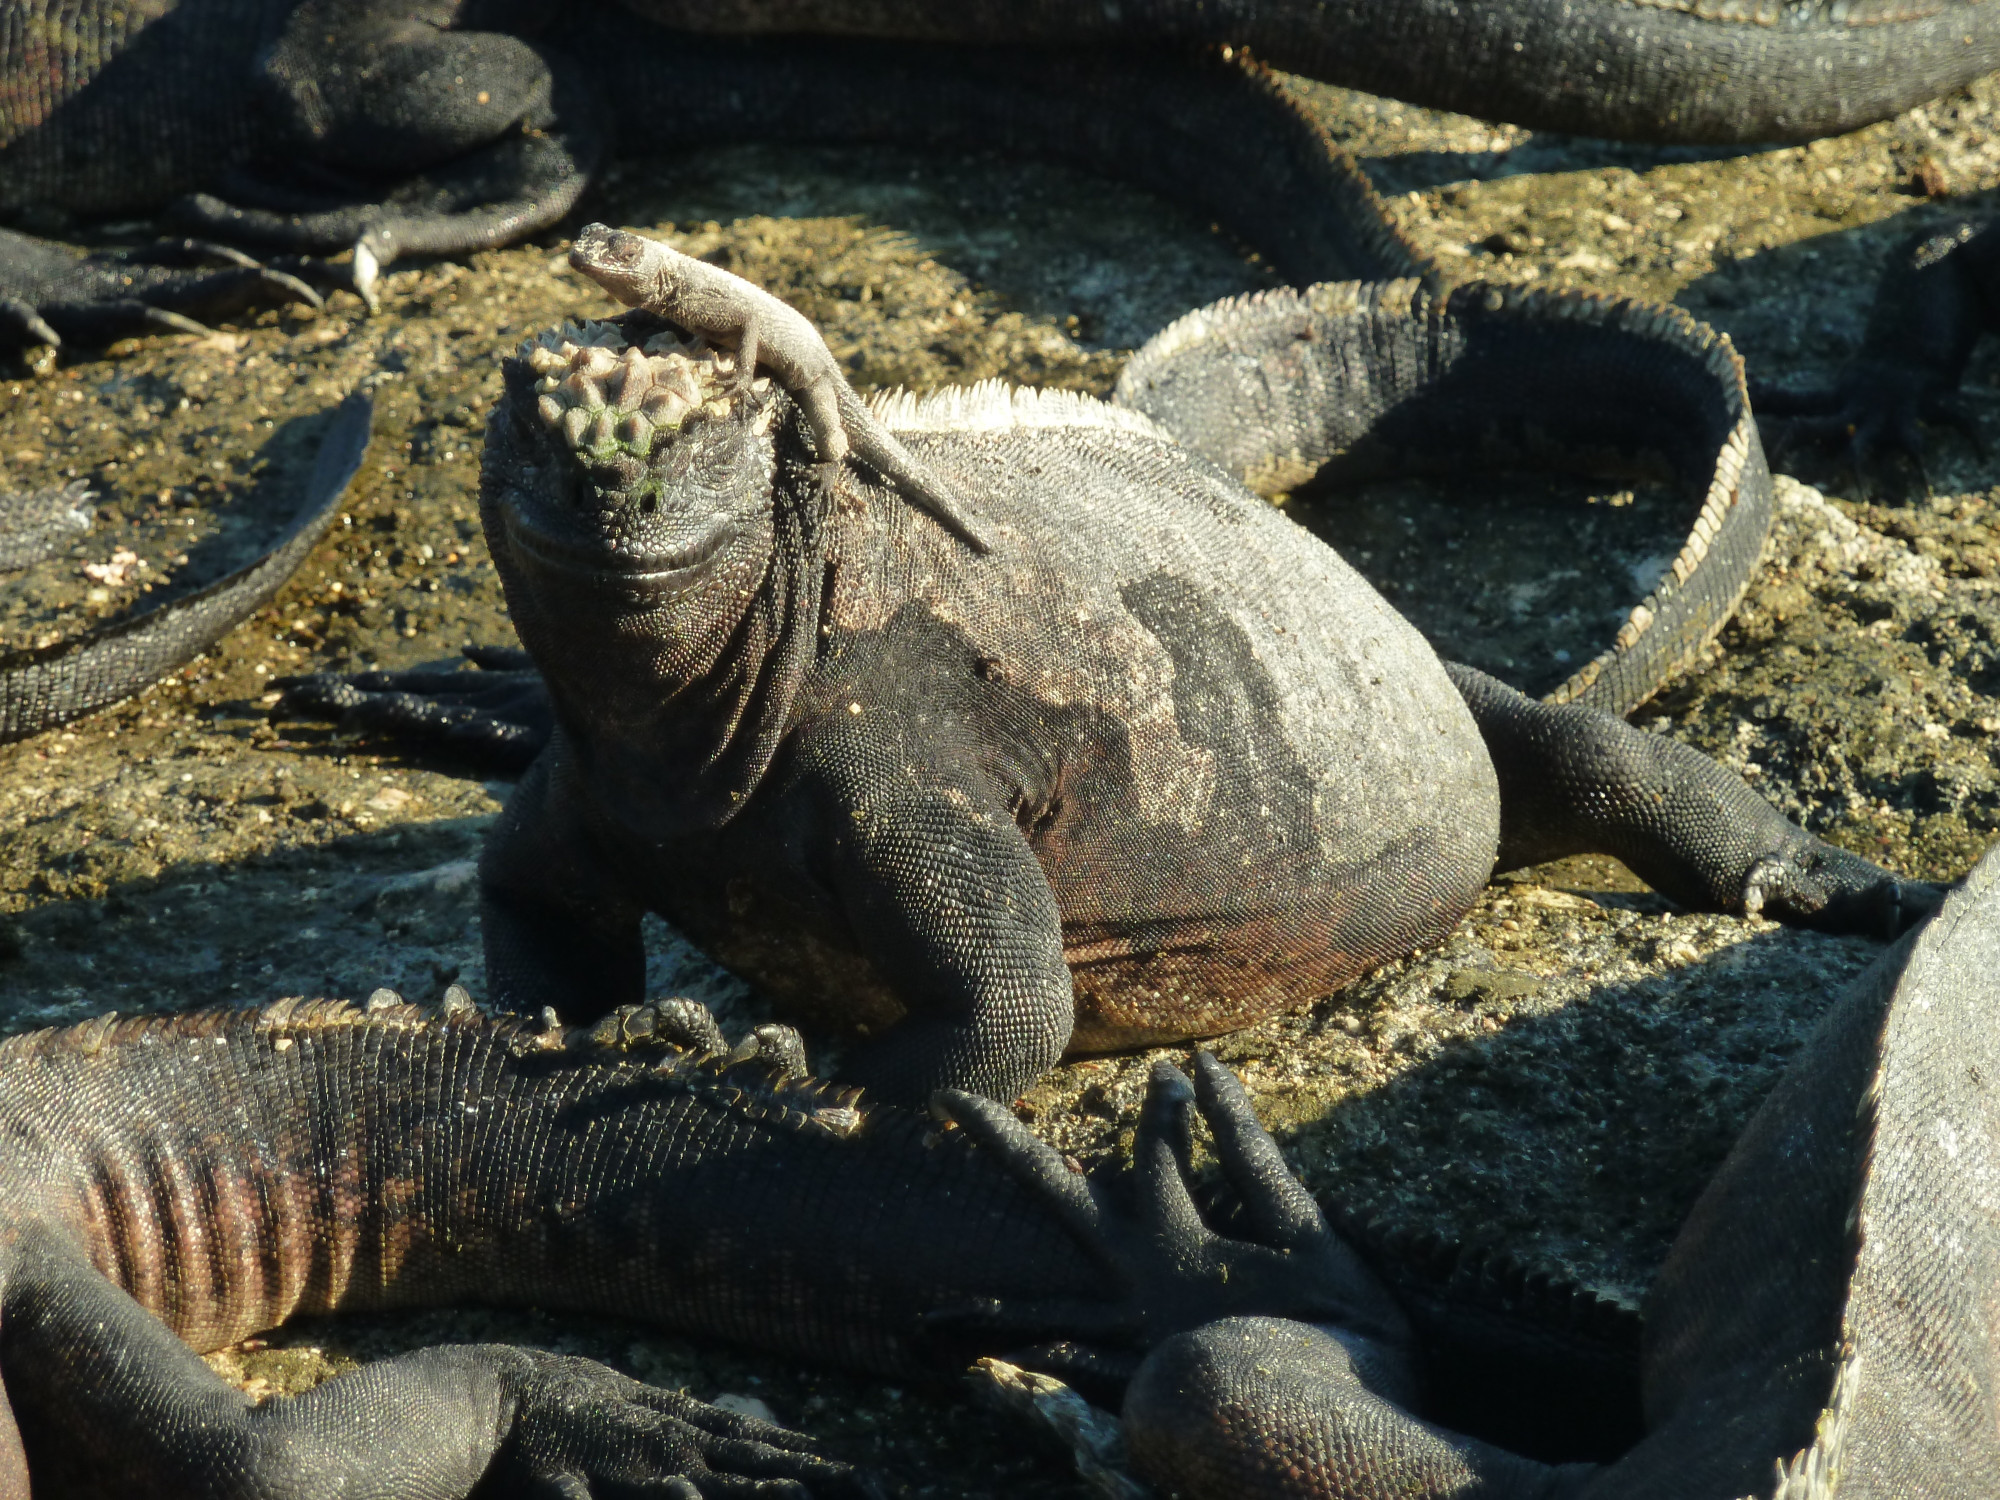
<point x="583" y="1429"/>
<point x="685" y="1023"/>
<point x="497" y="715"/>
<point x="51" y="294"/>
<point x="1876" y="407"/>
<point x="1179" y="1272"/>
<point x="1811" y="883"/>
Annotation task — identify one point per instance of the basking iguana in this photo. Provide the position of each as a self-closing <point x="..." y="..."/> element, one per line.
<point x="182" y="1181"/>
<point x="1824" y="1324"/>
<point x="395" y="127"/>
<point x="43" y="686"/>
<point x="1217" y="131"/>
<point x="1938" y="296"/>
<point x="1154" y="766"/>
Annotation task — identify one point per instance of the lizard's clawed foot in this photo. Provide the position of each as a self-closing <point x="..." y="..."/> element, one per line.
<point x="1169" y="1269"/>
<point x="690" y="1025"/>
<point x="582" y="1429"/>
<point x="497" y="715"/>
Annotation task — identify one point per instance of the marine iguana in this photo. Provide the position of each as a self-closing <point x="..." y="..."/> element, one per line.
<point x="180" y="1181"/>
<point x="1156" y="765"/>
<point x="41" y="687"/>
<point x="1216" y="130"/>
<point x="1938" y="296"/>
<point x="1823" y="1325"/>
<point x="453" y="125"/>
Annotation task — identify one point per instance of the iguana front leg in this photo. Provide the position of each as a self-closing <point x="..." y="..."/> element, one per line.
<point x="723" y="307"/>
<point x="1938" y="297"/>
<point x="558" y="931"/>
<point x="110" y="1404"/>
<point x="51" y="294"/>
<point x="946" y="900"/>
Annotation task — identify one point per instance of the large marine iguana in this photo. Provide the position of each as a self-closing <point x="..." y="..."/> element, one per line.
<point x="1824" y="1324"/>
<point x="182" y="1181"/>
<point x="41" y="687"/>
<point x="1156" y="765"/>
<point x="453" y="125"/>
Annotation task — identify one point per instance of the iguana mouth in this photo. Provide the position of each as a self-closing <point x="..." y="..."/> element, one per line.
<point x="597" y="564"/>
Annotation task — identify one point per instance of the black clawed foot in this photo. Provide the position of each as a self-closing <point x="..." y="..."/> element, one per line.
<point x="1280" y="1211"/>
<point x="1818" y="885"/>
<point x="497" y="716"/>
<point x="1166" y="1269"/>
<point x="583" y="1429"/>
<point x="1876" y="407"/>
<point x="54" y="294"/>
<point x="777" y="1047"/>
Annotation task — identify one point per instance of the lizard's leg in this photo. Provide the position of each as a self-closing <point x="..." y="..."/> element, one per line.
<point x="945" y="898"/>
<point x="1576" y="780"/>
<point x="558" y="929"/>
<point x="1268" y="1409"/>
<point x="110" y="1403"/>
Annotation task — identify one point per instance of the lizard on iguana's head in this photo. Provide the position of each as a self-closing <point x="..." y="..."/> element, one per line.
<point x="713" y="303"/>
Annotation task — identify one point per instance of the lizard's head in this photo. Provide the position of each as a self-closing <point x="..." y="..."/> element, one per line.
<point x="624" y="469"/>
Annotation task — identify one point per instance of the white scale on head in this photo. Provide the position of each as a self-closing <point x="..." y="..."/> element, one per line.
<point x="607" y="396"/>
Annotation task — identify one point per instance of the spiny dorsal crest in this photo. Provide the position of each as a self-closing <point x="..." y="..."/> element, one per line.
<point x="996" y="406"/>
<point x="611" y="399"/>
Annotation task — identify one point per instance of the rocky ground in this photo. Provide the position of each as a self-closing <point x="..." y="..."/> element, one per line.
<point x="1558" y="1077"/>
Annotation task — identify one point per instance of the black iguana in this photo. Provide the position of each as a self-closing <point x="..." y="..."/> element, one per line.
<point x="1824" y="1324"/>
<point x="1156" y="765"/>
<point x="182" y="1181"/>
<point x="41" y="687"/>
<point x="1938" y="296"/>
<point x="454" y="125"/>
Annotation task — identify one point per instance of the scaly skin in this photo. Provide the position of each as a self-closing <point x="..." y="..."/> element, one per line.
<point x="1824" y="1323"/>
<point x="184" y="1181"/>
<point x="1155" y="766"/>
<point x="282" y="119"/>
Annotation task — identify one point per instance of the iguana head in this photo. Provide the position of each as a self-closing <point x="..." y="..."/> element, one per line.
<point x="627" y="493"/>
